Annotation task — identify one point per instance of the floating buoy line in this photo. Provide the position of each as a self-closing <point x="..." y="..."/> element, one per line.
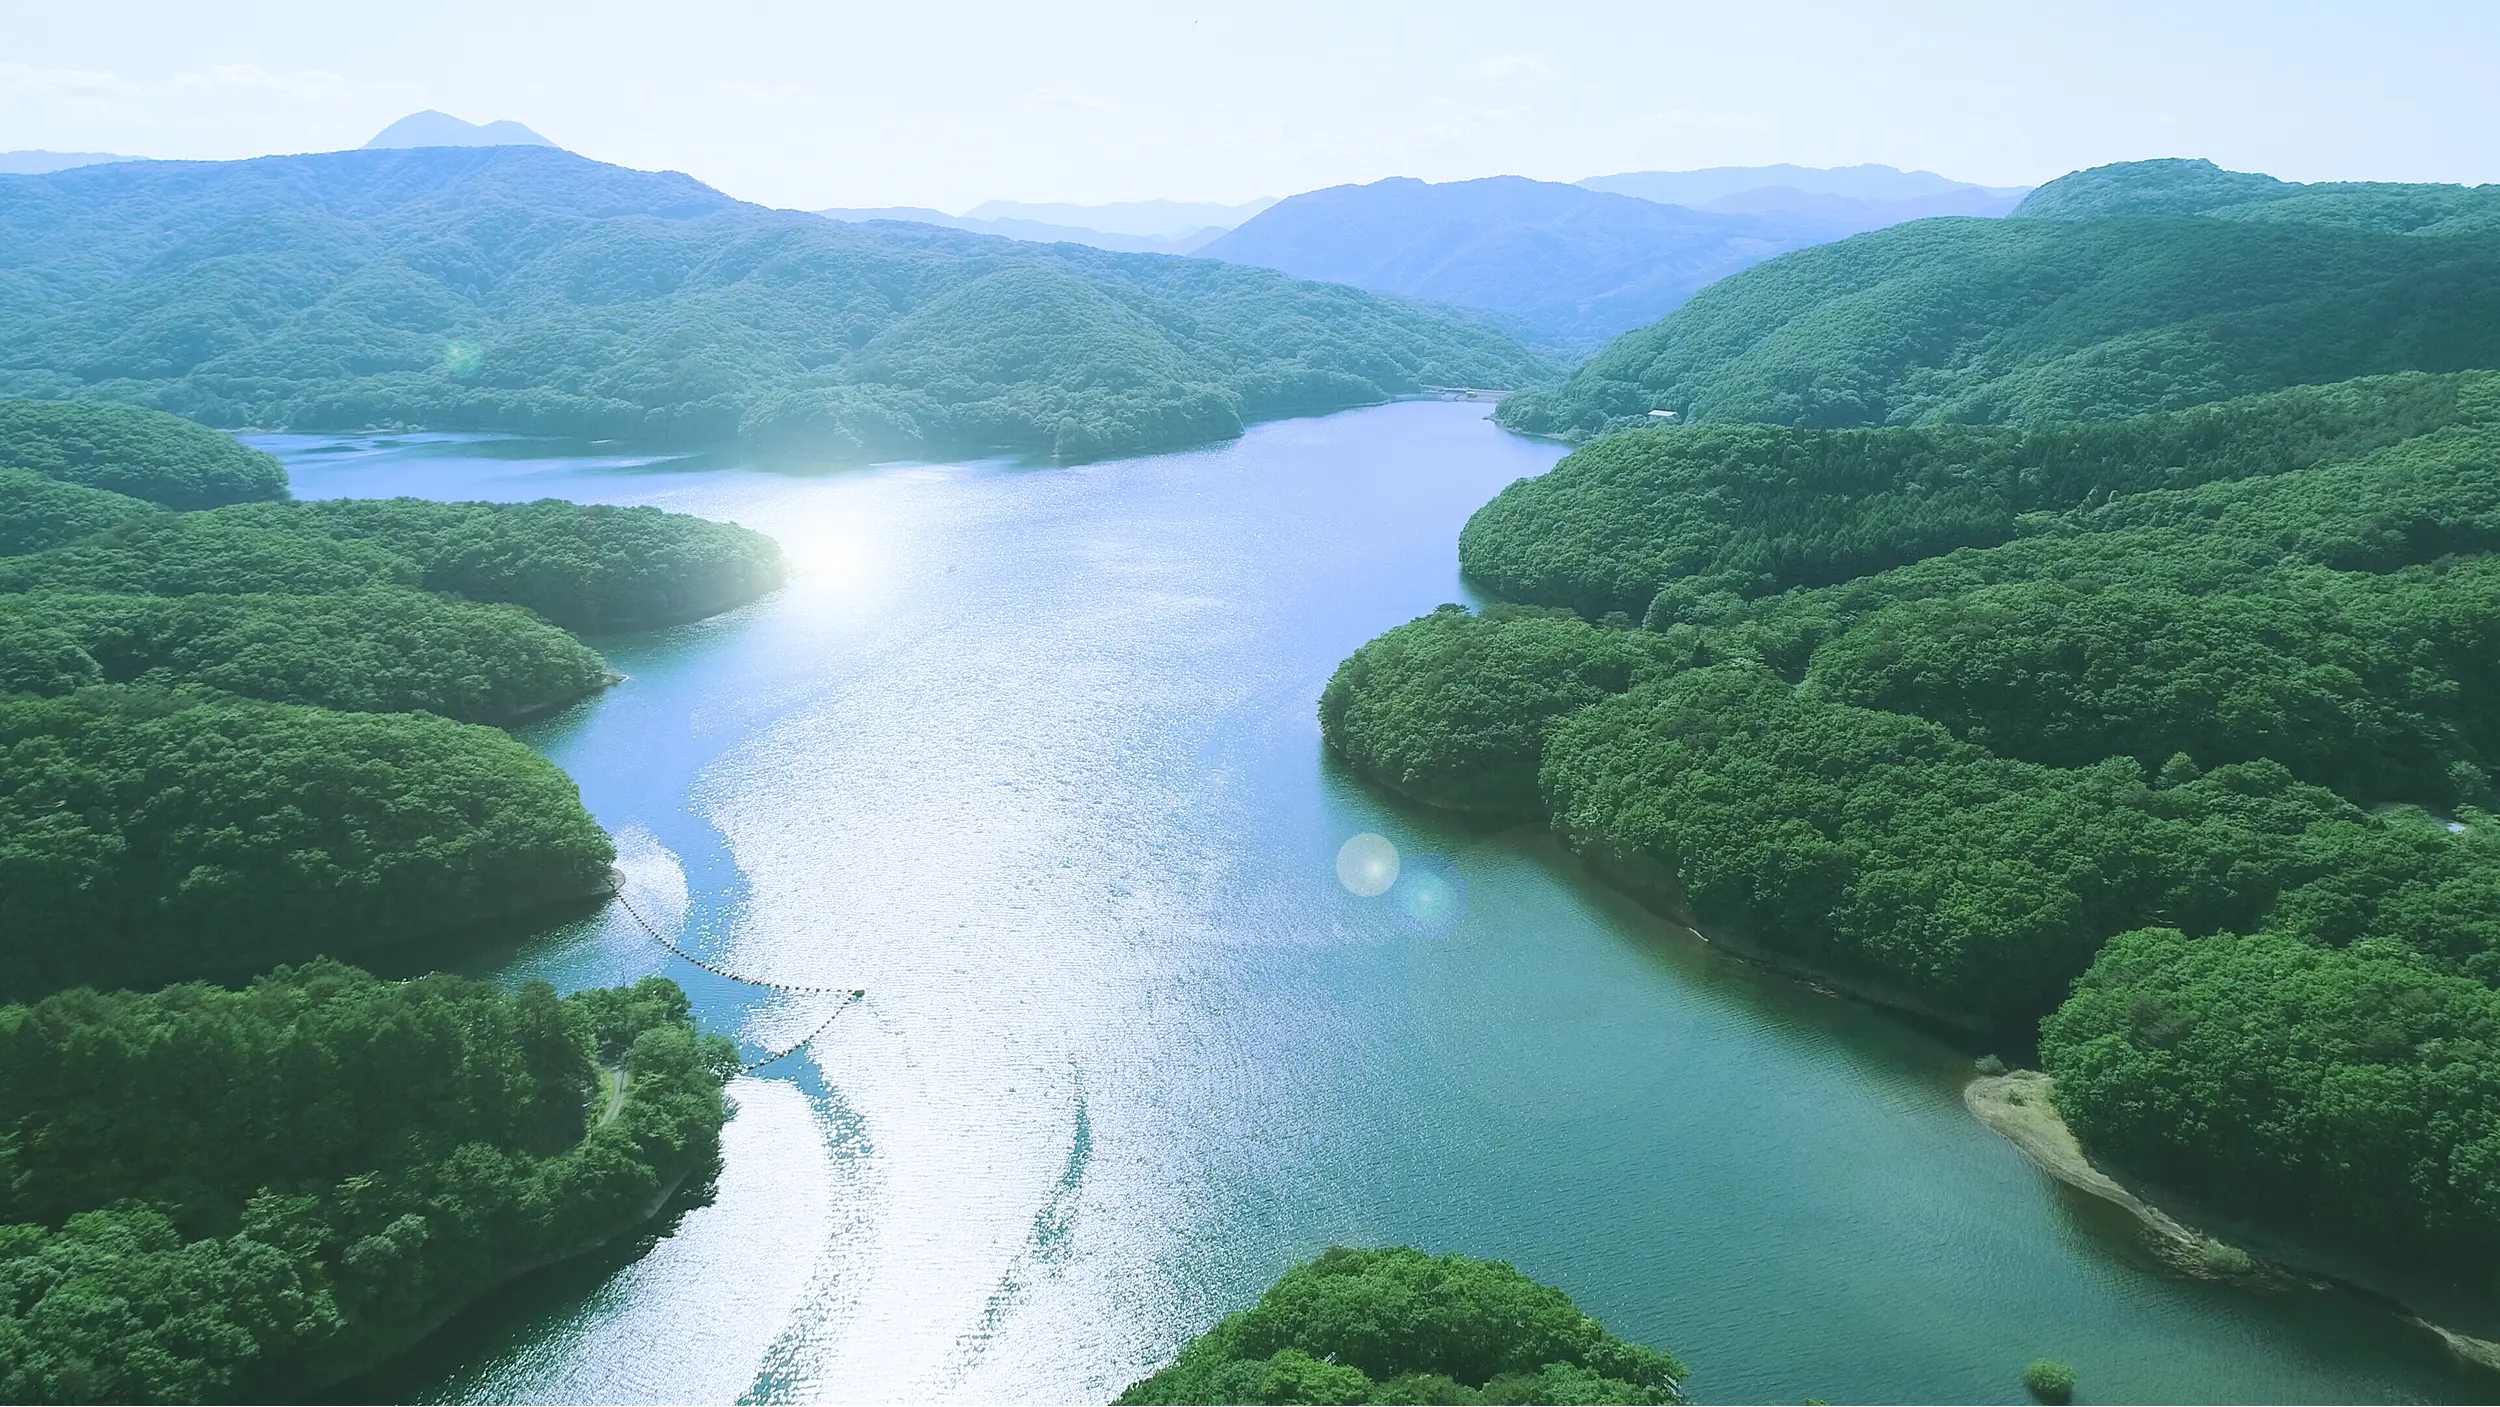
<point x="850" y="995"/>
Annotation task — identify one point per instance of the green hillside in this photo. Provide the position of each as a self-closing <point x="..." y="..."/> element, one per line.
<point x="527" y="289"/>
<point x="218" y="1196"/>
<point x="2113" y="292"/>
<point x="1394" y="1324"/>
<point x="1678" y="522"/>
<point x="2187" y="187"/>
<point x="145" y="454"/>
<point x="243" y="736"/>
<point x="2174" y="730"/>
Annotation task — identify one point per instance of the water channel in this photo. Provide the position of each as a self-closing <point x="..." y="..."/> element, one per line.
<point x="1028" y="752"/>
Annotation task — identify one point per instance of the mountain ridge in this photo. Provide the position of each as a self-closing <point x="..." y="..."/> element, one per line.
<point x="525" y="288"/>
<point x="440" y="129"/>
<point x="1561" y="264"/>
<point x="2071" y="313"/>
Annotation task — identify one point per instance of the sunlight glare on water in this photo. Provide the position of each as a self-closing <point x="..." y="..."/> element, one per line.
<point x="1160" y="999"/>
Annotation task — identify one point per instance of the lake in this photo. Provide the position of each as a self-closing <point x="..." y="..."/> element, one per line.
<point x="1029" y="753"/>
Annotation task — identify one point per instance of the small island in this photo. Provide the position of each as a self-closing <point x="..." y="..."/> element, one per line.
<point x="1395" y="1324"/>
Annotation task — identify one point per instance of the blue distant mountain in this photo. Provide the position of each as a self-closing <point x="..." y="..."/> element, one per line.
<point x="440" y="129"/>
<point x="1130" y="227"/>
<point x="37" y="163"/>
<point x="1032" y="231"/>
<point x="1153" y="219"/>
<point x="1699" y="189"/>
<point x="1570" y="267"/>
<point x="1564" y="266"/>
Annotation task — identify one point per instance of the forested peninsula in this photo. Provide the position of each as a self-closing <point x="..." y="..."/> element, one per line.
<point x="1397" y="1325"/>
<point x="241" y="737"/>
<point x="528" y="289"/>
<point x="211" y="1195"/>
<point x="2165" y="735"/>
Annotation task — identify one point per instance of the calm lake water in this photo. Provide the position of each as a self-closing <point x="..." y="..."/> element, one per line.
<point x="1029" y="753"/>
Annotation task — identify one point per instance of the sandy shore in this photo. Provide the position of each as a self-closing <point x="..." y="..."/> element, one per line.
<point x="2021" y="1105"/>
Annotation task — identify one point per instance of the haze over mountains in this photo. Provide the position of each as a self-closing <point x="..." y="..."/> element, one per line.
<point x="1572" y="265"/>
<point x="1130" y="227"/>
<point x="1869" y="181"/>
<point x="440" y="129"/>
<point x="37" y="163"/>
<point x="418" y="129"/>
<point x="520" y="287"/>
<point x="1563" y="266"/>
<point x="2122" y="290"/>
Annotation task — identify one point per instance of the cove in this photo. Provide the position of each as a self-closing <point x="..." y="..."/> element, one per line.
<point x="1029" y="753"/>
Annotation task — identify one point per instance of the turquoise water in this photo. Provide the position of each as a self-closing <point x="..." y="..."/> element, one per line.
<point x="1029" y="753"/>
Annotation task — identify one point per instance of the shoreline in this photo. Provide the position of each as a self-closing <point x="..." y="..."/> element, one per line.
<point x="2020" y="1106"/>
<point x="1646" y="881"/>
<point x="415" y="1334"/>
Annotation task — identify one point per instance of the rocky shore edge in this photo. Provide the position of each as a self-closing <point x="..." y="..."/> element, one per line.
<point x="2021" y="1106"/>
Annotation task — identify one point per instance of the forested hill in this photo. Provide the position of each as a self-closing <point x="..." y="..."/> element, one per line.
<point x="528" y="289"/>
<point x="1566" y="266"/>
<point x="2117" y="291"/>
<point x="2190" y="187"/>
<point x="2177" y="731"/>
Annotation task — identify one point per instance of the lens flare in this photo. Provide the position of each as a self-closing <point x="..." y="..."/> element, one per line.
<point x="1367" y="865"/>
<point x="1431" y="893"/>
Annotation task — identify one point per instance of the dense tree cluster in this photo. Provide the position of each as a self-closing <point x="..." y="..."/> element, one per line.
<point x="1968" y="884"/>
<point x="146" y="454"/>
<point x="368" y="650"/>
<point x="528" y="289"/>
<point x="1716" y="512"/>
<point x="2377" y="686"/>
<point x="2180" y="705"/>
<point x="145" y="839"/>
<point x="2355" y="1092"/>
<point x="232" y="739"/>
<point x="166" y="819"/>
<point x="2182" y="186"/>
<point x="38" y="512"/>
<point x="1453" y="709"/>
<point x="1397" y="1325"/>
<point x="586" y="566"/>
<point x="212" y="1195"/>
<point x="2128" y="289"/>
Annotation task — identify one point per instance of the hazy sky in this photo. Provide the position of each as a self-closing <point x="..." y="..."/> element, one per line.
<point x="949" y="102"/>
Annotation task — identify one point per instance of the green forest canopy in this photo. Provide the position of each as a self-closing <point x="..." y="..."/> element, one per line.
<point x="146" y="454"/>
<point x="238" y="737"/>
<point x="1397" y="1325"/>
<point x="528" y="289"/>
<point x="371" y="650"/>
<point x="228" y="740"/>
<point x="2181" y="702"/>
<point x="2125" y="289"/>
<point x="211" y="1195"/>
<point x="146" y="838"/>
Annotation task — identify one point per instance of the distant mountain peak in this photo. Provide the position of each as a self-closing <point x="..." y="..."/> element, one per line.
<point x="39" y="163"/>
<point x="440" y="129"/>
<point x="1869" y="181"/>
<point x="1150" y="219"/>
